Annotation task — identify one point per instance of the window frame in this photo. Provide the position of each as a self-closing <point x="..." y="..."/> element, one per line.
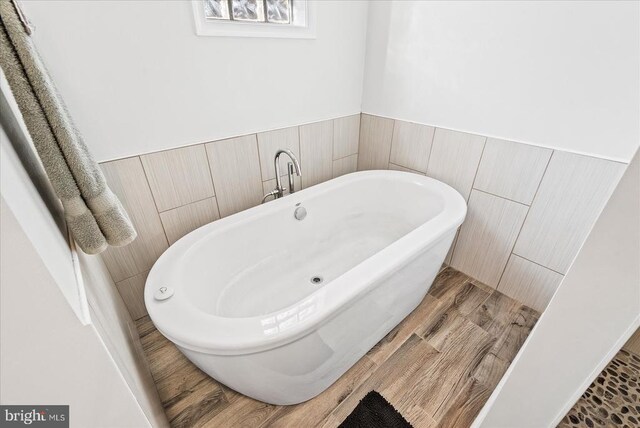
<point x="303" y="25"/>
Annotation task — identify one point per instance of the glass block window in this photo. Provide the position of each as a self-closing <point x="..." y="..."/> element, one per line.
<point x="256" y="11"/>
<point x="279" y="11"/>
<point x="216" y="9"/>
<point x="255" y="18"/>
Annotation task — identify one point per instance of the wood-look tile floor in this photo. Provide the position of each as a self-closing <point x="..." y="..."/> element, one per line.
<point x="437" y="367"/>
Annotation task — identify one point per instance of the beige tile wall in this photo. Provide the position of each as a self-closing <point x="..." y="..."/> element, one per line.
<point x="375" y="142"/>
<point x="178" y="177"/>
<point x="182" y="220"/>
<point x="170" y="193"/>
<point x="127" y="179"/>
<point x="487" y="236"/>
<point x="411" y="145"/>
<point x="454" y="159"/>
<point x="572" y="193"/>
<point x="316" y="152"/>
<point x="269" y="142"/>
<point x="529" y="208"/>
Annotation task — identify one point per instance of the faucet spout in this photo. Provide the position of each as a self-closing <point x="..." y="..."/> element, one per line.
<point x="293" y="158"/>
<point x="279" y="190"/>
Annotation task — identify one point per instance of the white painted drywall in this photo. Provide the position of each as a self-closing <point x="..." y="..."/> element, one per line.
<point x="118" y="331"/>
<point x="37" y="219"/>
<point x="593" y="313"/>
<point x="556" y="74"/>
<point x="137" y="79"/>
<point x="37" y="277"/>
<point x="48" y="356"/>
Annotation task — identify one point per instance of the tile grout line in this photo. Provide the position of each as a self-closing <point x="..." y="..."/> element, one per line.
<point x="473" y="183"/>
<point x="433" y="139"/>
<point x="206" y="155"/>
<point x="260" y="163"/>
<point x="347" y="156"/>
<point x="255" y="135"/>
<point x="504" y="269"/>
<point x="393" y="131"/>
<point x="501" y="197"/>
<point x="204" y="143"/>
<point x="538" y="264"/>
<point x="132" y="276"/>
<point x="359" y="142"/>
<point x="505" y="139"/>
<point x="402" y="166"/>
<point x="144" y="171"/>
<point x="262" y="179"/>
<point x="333" y="149"/>
<point x="525" y="220"/>
<point x="333" y="143"/>
<point x="188" y="203"/>
<point x="155" y="203"/>
<point x="456" y="237"/>
<point x="213" y="187"/>
<point x="302" y="186"/>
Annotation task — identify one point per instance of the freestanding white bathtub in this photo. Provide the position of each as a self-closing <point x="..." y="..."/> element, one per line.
<point x="245" y="308"/>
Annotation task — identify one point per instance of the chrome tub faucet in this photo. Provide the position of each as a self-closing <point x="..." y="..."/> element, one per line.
<point x="292" y="167"/>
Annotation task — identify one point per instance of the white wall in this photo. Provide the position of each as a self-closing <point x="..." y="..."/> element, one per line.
<point x="556" y="74"/>
<point x="118" y="331"/>
<point x="48" y="356"/>
<point x="590" y="317"/>
<point x="25" y="188"/>
<point x="137" y="79"/>
<point x="91" y="349"/>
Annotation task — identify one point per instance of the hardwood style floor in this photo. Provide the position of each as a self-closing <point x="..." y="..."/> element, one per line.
<point x="613" y="399"/>
<point x="438" y="367"/>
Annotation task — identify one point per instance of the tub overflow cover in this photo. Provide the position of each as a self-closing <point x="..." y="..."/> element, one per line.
<point x="300" y="213"/>
<point x="163" y="293"/>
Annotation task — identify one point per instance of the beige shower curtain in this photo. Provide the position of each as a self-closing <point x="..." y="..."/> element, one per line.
<point x="94" y="214"/>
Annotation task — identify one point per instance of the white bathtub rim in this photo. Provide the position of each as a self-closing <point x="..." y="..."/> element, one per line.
<point x="184" y="324"/>
<point x="192" y="328"/>
<point x="309" y="326"/>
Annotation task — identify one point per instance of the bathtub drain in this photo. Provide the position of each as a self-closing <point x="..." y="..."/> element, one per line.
<point x="315" y="280"/>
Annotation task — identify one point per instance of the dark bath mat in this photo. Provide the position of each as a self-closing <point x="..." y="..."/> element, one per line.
<point x="374" y="411"/>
